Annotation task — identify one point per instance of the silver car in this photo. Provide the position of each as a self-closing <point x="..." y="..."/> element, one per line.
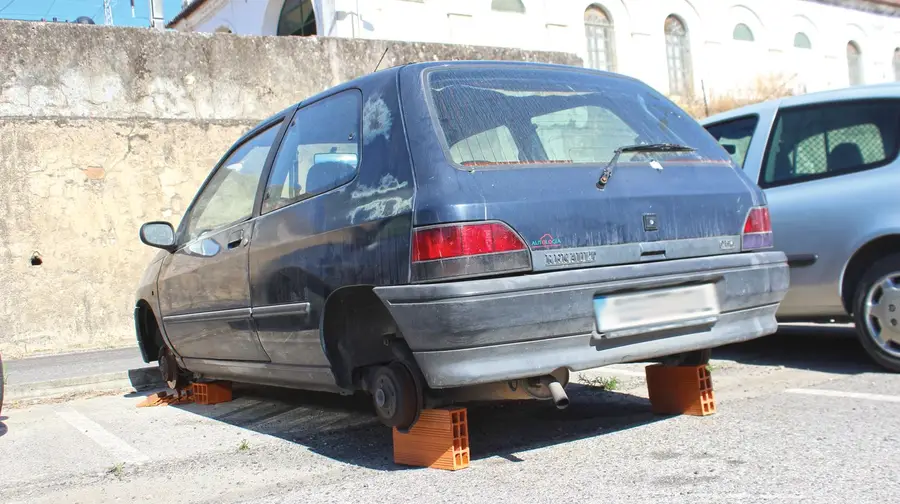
<point x="828" y="165"/>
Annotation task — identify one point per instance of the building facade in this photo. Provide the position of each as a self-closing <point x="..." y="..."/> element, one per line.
<point x="677" y="46"/>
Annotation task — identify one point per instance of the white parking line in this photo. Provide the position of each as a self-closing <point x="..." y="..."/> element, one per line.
<point x="123" y="451"/>
<point x="847" y="395"/>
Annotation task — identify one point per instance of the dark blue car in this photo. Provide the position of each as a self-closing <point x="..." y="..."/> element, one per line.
<point x="454" y="230"/>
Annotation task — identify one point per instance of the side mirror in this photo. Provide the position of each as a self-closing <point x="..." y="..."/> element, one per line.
<point x="158" y="234"/>
<point x="729" y="148"/>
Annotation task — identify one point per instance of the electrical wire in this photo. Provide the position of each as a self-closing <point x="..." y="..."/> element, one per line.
<point x="50" y="8"/>
<point x="7" y="5"/>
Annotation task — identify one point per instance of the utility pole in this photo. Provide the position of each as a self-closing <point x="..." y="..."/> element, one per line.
<point x="107" y="12"/>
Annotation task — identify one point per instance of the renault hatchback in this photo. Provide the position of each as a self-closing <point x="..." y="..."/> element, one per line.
<point x="464" y="229"/>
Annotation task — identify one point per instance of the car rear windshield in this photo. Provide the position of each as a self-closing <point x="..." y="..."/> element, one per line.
<point x="513" y="116"/>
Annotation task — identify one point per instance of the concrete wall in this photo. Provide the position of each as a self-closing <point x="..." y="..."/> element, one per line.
<point x="102" y="129"/>
<point x="723" y="64"/>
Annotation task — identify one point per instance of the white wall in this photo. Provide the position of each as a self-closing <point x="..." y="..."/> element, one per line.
<point x="721" y="63"/>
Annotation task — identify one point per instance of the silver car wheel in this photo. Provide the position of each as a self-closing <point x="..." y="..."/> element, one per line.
<point x="882" y="313"/>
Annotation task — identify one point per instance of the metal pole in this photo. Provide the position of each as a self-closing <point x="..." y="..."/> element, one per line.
<point x="705" y="103"/>
<point x="107" y="12"/>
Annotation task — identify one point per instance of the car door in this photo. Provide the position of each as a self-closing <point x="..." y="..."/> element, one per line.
<point x="204" y="286"/>
<point x="301" y="230"/>
<point x="822" y="171"/>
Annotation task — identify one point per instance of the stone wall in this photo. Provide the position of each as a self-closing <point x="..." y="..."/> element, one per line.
<point x="74" y="192"/>
<point x="103" y="128"/>
<point x="93" y="71"/>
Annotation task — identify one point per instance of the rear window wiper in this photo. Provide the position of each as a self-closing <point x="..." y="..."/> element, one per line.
<point x="656" y="147"/>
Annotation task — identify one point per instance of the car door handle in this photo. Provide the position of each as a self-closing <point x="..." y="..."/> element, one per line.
<point x="236" y="239"/>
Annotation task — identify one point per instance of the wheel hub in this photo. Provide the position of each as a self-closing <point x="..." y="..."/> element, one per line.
<point x="386" y="397"/>
<point x="394" y="395"/>
<point x="882" y="313"/>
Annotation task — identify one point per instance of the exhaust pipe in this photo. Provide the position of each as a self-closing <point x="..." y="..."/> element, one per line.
<point x="557" y="392"/>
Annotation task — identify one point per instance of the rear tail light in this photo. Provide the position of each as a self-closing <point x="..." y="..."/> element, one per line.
<point x="757" y="229"/>
<point x="467" y="250"/>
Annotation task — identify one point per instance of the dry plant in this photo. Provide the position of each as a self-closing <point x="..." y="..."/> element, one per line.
<point x="763" y="88"/>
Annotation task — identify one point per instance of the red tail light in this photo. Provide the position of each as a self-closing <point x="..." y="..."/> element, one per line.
<point x="467" y="250"/>
<point x="757" y="229"/>
<point x="464" y="240"/>
<point x="758" y="221"/>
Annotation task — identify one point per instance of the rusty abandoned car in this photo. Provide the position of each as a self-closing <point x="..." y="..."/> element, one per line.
<point x="452" y="230"/>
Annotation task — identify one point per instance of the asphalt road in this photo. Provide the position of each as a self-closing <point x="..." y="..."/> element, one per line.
<point x="72" y="365"/>
<point x="803" y="416"/>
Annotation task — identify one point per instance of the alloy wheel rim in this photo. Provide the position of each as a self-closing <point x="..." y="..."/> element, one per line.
<point x="882" y="313"/>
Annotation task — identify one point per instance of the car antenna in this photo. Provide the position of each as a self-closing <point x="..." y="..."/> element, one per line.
<point x="381" y="59"/>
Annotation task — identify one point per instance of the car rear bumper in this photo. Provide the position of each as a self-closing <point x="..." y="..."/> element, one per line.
<point x="482" y="331"/>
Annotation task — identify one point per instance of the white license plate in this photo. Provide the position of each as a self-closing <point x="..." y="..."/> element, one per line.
<point x="623" y="311"/>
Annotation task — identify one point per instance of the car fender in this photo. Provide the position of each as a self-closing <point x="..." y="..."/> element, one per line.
<point x="148" y="291"/>
<point x="862" y="241"/>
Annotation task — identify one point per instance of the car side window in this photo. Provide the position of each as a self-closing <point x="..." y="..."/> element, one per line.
<point x="821" y="141"/>
<point x="734" y="136"/>
<point x="228" y="197"/>
<point x="320" y="151"/>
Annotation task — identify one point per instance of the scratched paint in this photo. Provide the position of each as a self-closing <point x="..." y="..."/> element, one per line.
<point x="383" y="207"/>
<point x="377" y="119"/>
<point x="388" y="183"/>
<point x="380" y="209"/>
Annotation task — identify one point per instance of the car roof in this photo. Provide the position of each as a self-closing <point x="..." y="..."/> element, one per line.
<point x="511" y="64"/>
<point x="364" y="79"/>
<point x="508" y="63"/>
<point x="885" y="90"/>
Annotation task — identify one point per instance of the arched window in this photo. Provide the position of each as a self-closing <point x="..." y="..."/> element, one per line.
<point x="508" y="6"/>
<point x="297" y="18"/>
<point x="678" y="56"/>
<point x="598" y="30"/>
<point x="854" y="63"/>
<point x="897" y="64"/>
<point x="801" y="41"/>
<point x="742" y="32"/>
